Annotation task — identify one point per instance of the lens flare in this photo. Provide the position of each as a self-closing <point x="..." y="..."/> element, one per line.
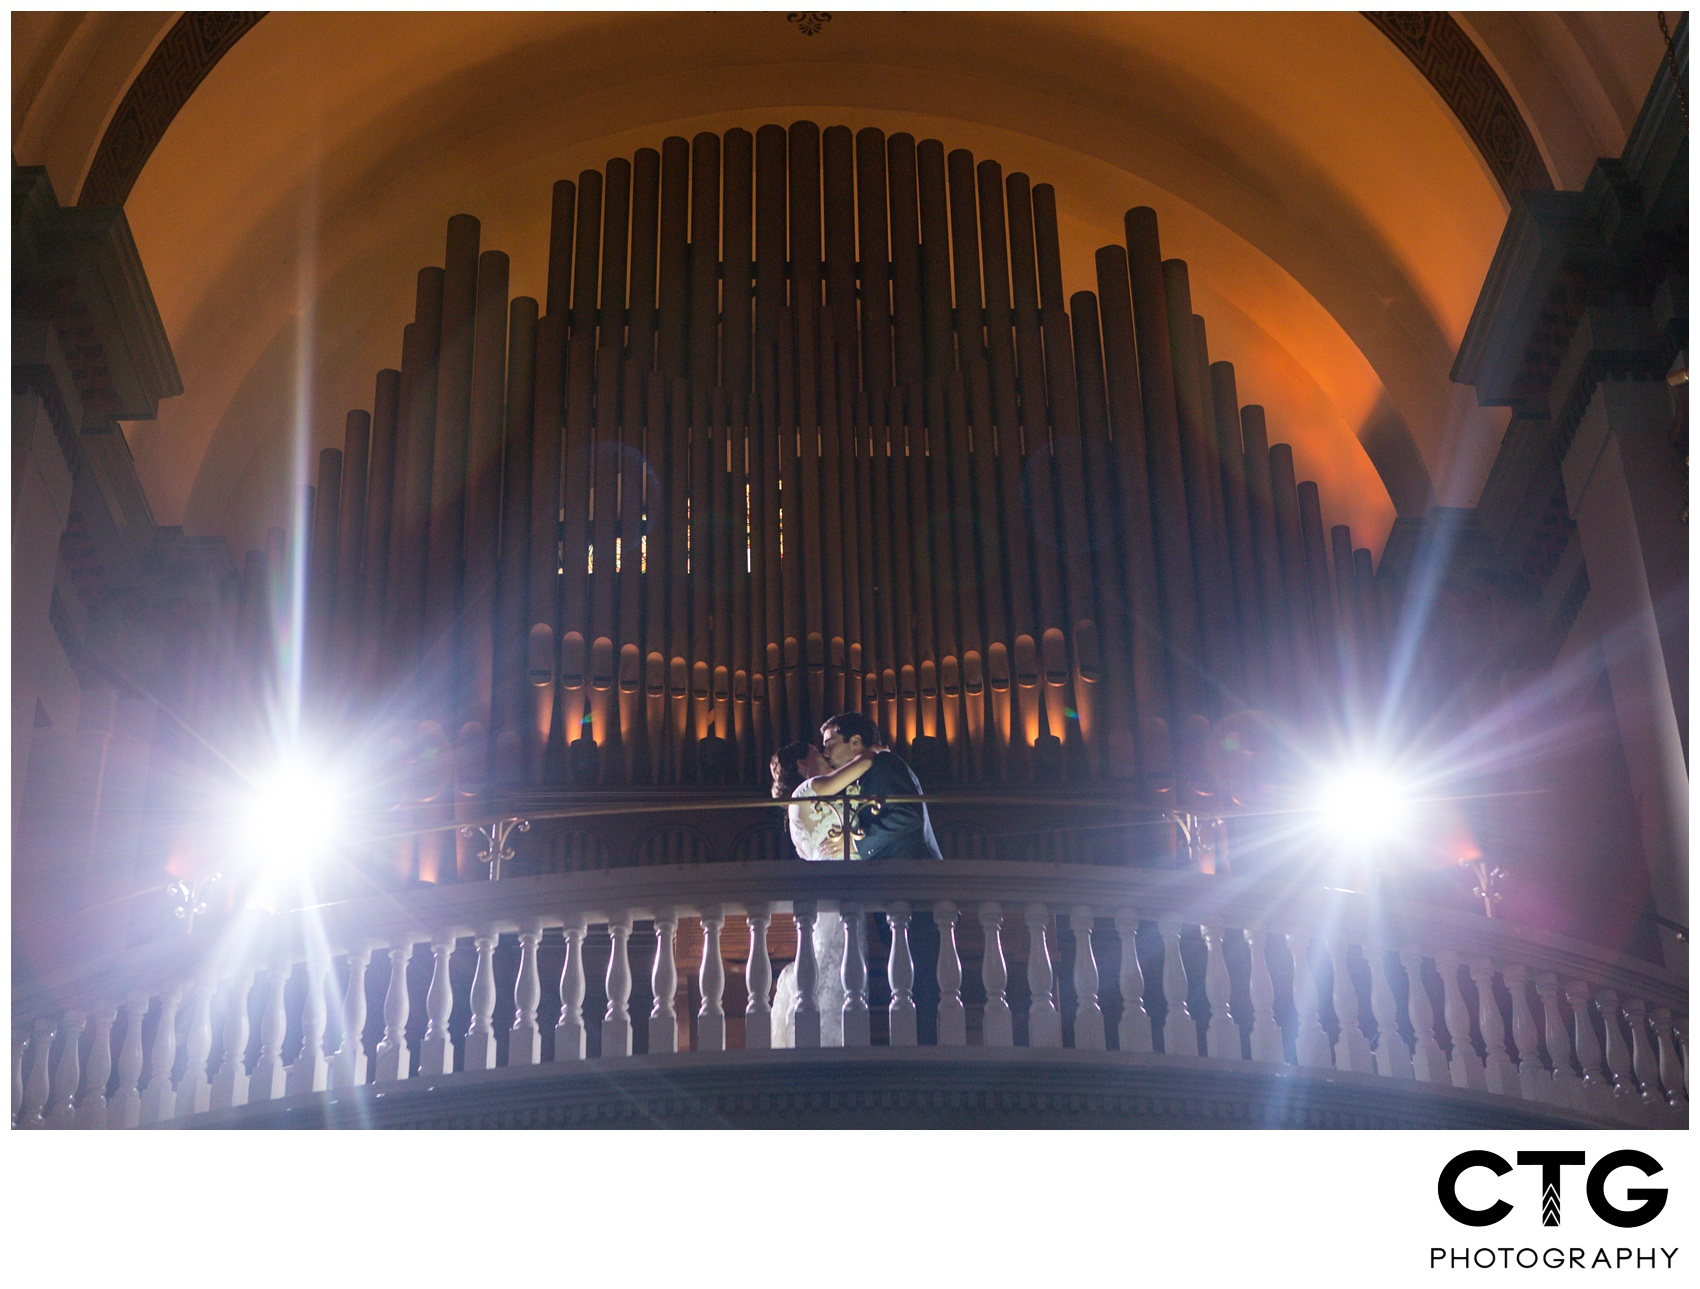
<point x="293" y="816"/>
<point x="1363" y="806"/>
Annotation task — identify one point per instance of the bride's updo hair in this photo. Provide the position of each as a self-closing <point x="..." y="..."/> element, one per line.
<point x="786" y="775"/>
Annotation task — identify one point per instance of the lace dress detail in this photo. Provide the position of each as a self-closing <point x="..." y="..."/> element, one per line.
<point x="811" y="824"/>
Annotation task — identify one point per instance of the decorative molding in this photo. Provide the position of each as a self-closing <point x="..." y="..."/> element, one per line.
<point x="1446" y="56"/>
<point x="809" y="24"/>
<point x="181" y="62"/>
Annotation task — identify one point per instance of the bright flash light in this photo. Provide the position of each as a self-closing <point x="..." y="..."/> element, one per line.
<point x="293" y="816"/>
<point x="1363" y="806"/>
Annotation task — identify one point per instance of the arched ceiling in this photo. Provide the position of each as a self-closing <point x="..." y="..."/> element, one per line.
<point x="1337" y="219"/>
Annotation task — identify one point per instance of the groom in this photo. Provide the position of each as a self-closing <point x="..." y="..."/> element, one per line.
<point x="886" y="829"/>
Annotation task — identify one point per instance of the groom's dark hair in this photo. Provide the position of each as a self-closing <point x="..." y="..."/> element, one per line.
<point x="849" y="725"/>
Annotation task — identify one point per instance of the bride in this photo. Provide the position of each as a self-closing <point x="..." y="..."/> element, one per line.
<point x="800" y="771"/>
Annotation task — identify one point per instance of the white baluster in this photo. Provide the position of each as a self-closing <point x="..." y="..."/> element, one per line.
<point x="663" y="984"/>
<point x="1625" y="1103"/>
<point x="349" y="1069"/>
<point x="1352" y="1051"/>
<point x="1428" y="1058"/>
<point x="125" y="1111"/>
<point x="1534" y="1083"/>
<point x="310" y="1071"/>
<point x="480" y="1051"/>
<point x="711" y="1015"/>
<point x="953" y="1019"/>
<point x="1044" y="1025"/>
<point x="1222" y="1036"/>
<point x="1392" y="1052"/>
<point x="854" y="975"/>
<point x="158" y="1101"/>
<point x="436" y="1050"/>
<point x="570" y="1033"/>
<point x="1670" y="1073"/>
<point x="393" y="1063"/>
<point x="61" y="1110"/>
<point x="1679" y="1036"/>
<point x="1501" y="1074"/>
<point x="1596" y="1092"/>
<point x="525" y="1036"/>
<point x="1641" y="1060"/>
<point x="1567" y="1085"/>
<point x="20" y="1050"/>
<point x="1088" y="1016"/>
<point x="758" y="976"/>
<point x="1310" y="1041"/>
<point x="194" y="1091"/>
<point x="1180" y="1035"/>
<point x="807" y="1016"/>
<point x="999" y="1026"/>
<point x="617" y="1017"/>
<point x="1266" y="1044"/>
<point x="230" y="1084"/>
<point x="267" y="1081"/>
<point x="32" y="1112"/>
<point x="1467" y="1068"/>
<point x="900" y="971"/>
<point x="91" y="1103"/>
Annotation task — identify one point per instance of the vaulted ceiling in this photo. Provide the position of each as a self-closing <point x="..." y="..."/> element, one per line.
<point x="1337" y="214"/>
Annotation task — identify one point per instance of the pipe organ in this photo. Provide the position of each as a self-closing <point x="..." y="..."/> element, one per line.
<point x="805" y="423"/>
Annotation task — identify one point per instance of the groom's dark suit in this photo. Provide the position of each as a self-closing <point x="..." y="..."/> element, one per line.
<point x="895" y="829"/>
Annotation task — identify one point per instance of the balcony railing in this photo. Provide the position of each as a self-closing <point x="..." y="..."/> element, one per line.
<point x="332" y="1004"/>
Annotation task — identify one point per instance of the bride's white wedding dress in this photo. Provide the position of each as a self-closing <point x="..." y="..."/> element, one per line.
<point x="811" y="824"/>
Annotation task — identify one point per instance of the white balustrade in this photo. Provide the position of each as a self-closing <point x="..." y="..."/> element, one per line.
<point x="711" y="982"/>
<point x="1310" y="1042"/>
<point x="1467" y="1068"/>
<point x="91" y="1102"/>
<point x="1044" y="1025"/>
<point x="157" y="1100"/>
<point x="1534" y="1080"/>
<point x="268" y="1079"/>
<point x="1266" y="1042"/>
<point x="1596" y="1092"/>
<point x="1670" y="1073"/>
<point x="1088" y="1016"/>
<point x="854" y="976"/>
<point x="1624" y="1099"/>
<point x="953" y="1019"/>
<point x="194" y="1091"/>
<point x="1635" y="1012"/>
<point x="1180" y="1034"/>
<point x="1501" y="1074"/>
<point x="480" y="1049"/>
<point x="1634" y="1076"/>
<point x="758" y="976"/>
<point x="125" y="1111"/>
<point x="525" y="1036"/>
<point x="230" y="1084"/>
<point x="393" y="1063"/>
<point x="310" y="1071"/>
<point x="20" y="1052"/>
<point x="900" y="972"/>
<point x="349" y="1068"/>
<point x="571" y="1036"/>
<point x="663" y="984"/>
<point x="1392" y="1052"/>
<point x="436" y="1049"/>
<point x="997" y="1025"/>
<point x="617" y="1017"/>
<point x="61" y="1112"/>
<point x="806" y="1018"/>
<point x="1352" y="1051"/>
<point x="1221" y="1035"/>
<point x="33" y="1109"/>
